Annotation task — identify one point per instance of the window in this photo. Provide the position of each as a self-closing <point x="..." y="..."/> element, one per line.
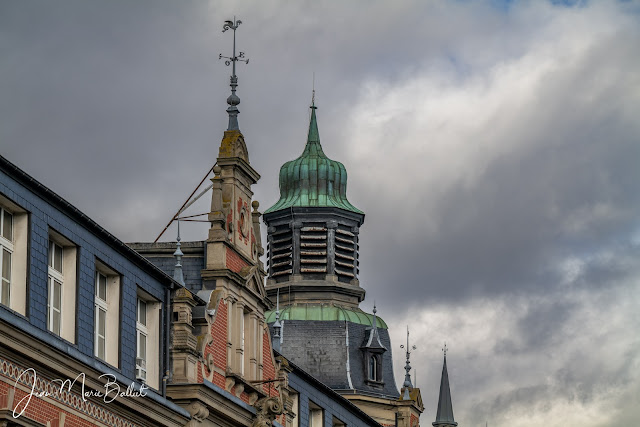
<point x="106" y="317"/>
<point x="6" y="251"/>
<point x="373" y="368"/>
<point x="61" y="287"/>
<point x="56" y="279"/>
<point x="101" y="315"/>
<point x="337" y="423"/>
<point x="293" y="420"/>
<point x="141" y="340"/>
<point x="147" y="340"/>
<point x="316" y="415"/>
<point x="13" y="256"/>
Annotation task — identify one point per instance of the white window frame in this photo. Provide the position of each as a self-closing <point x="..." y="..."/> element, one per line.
<point x="6" y="246"/>
<point x="100" y="305"/>
<point x="55" y="276"/>
<point x="142" y="332"/>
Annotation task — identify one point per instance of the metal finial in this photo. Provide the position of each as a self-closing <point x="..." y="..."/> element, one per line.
<point x="407" y="377"/>
<point x="445" y="349"/>
<point x="233" y="100"/>
<point x="375" y="323"/>
<point x="277" y="326"/>
<point x="178" y="276"/>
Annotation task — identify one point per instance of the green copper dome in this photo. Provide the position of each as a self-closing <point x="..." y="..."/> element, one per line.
<point x="313" y="180"/>
<point x="325" y="313"/>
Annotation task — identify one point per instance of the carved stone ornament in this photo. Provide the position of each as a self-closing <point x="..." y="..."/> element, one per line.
<point x="268" y="409"/>
<point x="198" y="411"/>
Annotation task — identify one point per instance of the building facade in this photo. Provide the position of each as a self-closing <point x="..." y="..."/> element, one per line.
<point x="77" y="304"/>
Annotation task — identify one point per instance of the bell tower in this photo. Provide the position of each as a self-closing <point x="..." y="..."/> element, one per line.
<point x="313" y="231"/>
<point x="313" y="267"/>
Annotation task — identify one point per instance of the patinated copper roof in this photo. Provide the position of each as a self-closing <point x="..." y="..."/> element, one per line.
<point x="313" y="180"/>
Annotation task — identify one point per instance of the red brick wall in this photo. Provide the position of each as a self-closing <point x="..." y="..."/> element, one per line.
<point x="235" y="263"/>
<point x="268" y="369"/>
<point x="218" y="348"/>
<point x="42" y="409"/>
<point x="414" y="420"/>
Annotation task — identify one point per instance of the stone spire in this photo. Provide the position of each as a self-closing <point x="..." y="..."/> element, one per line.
<point x="233" y="100"/>
<point x="444" y="415"/>
<point x="177" y="271"/>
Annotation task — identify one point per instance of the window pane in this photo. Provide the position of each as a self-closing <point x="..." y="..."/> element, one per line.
<point x="4" y="294"/>
<point x="56" y="323"/>
<point x="101" y="345"/>
<point x="101" y="286"/>
<point x="142" y="312"/>
<point x="142" y="346"/>
<point x="102" y="322"/>
<point x="6" y="265"/>
<point x="57" y="258"/>
<point x="51" y="245"/>
<point x="7" y="226"/>
<point x="57" y="295"/>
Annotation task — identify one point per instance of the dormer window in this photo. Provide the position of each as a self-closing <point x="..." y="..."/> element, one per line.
<point x="375" y="367"/>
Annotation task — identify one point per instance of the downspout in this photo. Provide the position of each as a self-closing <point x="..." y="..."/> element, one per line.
<point x="167" y="336"/>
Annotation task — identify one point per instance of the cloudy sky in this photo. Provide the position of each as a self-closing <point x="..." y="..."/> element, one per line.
<point x="494" y="146"/>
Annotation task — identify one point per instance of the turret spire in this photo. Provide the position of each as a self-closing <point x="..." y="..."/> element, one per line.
<point x="233" y="100"/>
<point x="177" y="271"/>
<point x="444" y="415"/>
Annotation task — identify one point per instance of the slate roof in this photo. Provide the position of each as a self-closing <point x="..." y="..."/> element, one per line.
<point x="160" y="254"/>
<point x="331" y="352"/>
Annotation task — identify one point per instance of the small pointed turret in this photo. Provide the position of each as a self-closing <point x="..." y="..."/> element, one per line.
<point x="444" y="414"/>
<point x="277" y="326"/>
<point x="373" y="339"/>
<point x="178" y="276"/>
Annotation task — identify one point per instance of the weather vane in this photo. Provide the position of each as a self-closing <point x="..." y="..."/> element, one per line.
<point x="233" y="100"/>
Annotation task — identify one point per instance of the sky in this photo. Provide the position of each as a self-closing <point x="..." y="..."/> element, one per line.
<point x="494" y="147"/>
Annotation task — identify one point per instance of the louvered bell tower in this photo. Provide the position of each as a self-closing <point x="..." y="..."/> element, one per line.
<point x="313" y="231"/>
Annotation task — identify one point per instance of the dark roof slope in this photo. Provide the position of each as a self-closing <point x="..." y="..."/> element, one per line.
<point x="74" y="213"/>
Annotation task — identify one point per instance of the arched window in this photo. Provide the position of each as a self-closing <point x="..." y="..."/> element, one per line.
<point x="373" y="368"/>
